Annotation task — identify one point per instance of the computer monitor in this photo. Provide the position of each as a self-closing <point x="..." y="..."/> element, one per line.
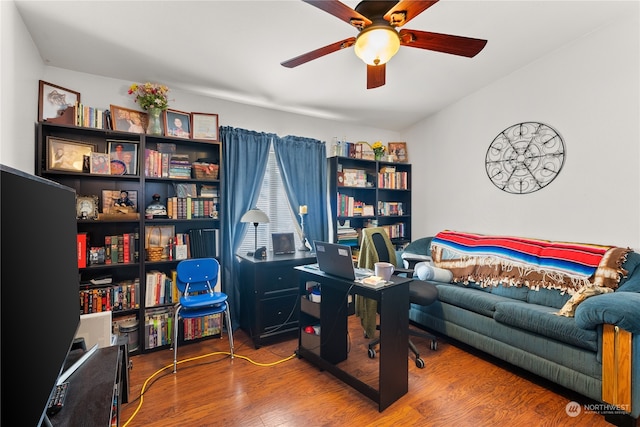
<point x="39" y="283"/>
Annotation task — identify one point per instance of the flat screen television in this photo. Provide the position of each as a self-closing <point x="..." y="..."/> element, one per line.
<point x="39" y="309"/>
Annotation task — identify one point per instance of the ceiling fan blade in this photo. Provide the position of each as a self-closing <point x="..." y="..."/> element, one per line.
<point x="376" y="76"/>
<point x="341" y="11"/>
<point x="446" y="43"/>
<point x="406" y="10"/>
<point x="314" y="54"/>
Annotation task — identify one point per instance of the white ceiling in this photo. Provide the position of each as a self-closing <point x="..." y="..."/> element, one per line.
<point x="233" y="49"/>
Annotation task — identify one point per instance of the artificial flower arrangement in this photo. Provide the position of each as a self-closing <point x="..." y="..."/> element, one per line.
<point x="378" y="149"/>
<point x="150" y="95"/>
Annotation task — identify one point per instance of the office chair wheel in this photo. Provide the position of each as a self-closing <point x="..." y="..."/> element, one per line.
<point x="419" y="362"/>
<point x="434" y="345"/>
<point x="372" y="353"/>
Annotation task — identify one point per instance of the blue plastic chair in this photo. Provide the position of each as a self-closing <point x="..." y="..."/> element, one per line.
<point x="196" y="280"/>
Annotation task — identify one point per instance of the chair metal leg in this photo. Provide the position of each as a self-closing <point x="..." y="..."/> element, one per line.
<point x="229" y="330"/>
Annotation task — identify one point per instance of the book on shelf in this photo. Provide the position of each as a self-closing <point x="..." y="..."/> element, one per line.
<point x="82" y="248"/>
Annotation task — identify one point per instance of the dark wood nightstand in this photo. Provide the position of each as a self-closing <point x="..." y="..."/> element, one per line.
<point x="269" y="290"/>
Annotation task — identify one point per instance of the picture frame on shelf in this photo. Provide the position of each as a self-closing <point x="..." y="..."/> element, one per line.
<point x="54" y="99"/>
<point x="99" y="163"/>
<point x="177" y="124"/>
<point x="67" y="155"/>
<point x="399" y="150"/>
<point x="204" y="126"/>
<point x="114" y="202"/>
<point x="128" y="120"/>
<point x="123" y="153"/>
<point x="87" y="207"/>
<point x="283" y="243"/>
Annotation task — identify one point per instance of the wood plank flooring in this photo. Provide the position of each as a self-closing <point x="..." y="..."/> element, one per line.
<point x="271" y="387"/>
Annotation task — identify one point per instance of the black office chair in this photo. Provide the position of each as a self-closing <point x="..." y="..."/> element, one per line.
<point x="376" y="244"/>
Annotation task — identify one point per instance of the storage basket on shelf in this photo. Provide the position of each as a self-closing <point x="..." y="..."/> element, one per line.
<point x="204" y="170"/>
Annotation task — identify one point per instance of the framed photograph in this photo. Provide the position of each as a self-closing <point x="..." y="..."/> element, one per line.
<point x="124" y="157"/>
<point x="67" y="155"/>
<point x="53" y="99"/>
<point x="86" y="207"/>
<point x="119" y="201"/>
<point x="177" y="123"/>
<point x="204" y="126"/>
<point x="100" y="164"/>
<point x="125" y="119"/>
<point x="283" y="243"/>
<point x="399" y="150"/>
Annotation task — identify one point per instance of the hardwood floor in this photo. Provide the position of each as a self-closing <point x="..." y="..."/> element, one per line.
<point x="271" y="387"/>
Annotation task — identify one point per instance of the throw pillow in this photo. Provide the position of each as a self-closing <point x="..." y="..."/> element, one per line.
<point x="569" y="308"/>
<point x="424" y="271"/>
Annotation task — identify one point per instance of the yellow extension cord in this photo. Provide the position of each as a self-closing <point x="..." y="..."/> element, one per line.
<point x="144" y="386"/>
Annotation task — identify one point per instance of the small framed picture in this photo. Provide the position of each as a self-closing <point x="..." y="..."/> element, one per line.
<point x="204" y="126"/>
<point x="67" y="155"/>
<point x="100" y="164"/>
<point x="125" y="119"/>
<point x="124" y="157"/>
<point x="86" y="207"/>
<point x="399" y="150"/>
<point x="177" y="123"/>
<point x="282" y="243"/>
<point x="53" y="99"/>
<point x="119" y="201"/>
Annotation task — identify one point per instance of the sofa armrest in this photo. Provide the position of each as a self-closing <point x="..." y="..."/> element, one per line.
<point x="618" y="308"/>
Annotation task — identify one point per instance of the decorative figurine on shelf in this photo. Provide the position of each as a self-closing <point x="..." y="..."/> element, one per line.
<point x="156" y="209"/>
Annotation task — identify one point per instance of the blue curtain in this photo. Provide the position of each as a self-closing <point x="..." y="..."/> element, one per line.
<point x="245" y="155"/>
<point x="303" y="165"/>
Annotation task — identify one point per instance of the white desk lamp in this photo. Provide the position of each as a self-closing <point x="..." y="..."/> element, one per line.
<point x="256" y="216"/>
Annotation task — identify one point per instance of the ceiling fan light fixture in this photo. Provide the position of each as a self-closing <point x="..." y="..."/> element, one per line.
<point x="377" y="44"/>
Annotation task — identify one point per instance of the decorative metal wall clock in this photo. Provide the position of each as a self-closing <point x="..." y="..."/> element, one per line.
<point x="525" y="157"/>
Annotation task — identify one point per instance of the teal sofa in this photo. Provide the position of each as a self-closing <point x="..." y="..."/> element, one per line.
<point x="520" y="326"/>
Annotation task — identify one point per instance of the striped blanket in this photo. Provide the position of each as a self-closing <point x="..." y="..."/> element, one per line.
<point x="516" y="261"/>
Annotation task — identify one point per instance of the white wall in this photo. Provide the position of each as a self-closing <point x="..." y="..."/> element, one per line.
<point x="589" y="92"/>
<point x="20" y="69"/>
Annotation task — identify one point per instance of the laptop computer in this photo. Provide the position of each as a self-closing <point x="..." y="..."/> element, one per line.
<point x="337" y="260"/>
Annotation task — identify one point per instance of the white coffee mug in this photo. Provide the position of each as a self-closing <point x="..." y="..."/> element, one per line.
<point x="384" y="270"/>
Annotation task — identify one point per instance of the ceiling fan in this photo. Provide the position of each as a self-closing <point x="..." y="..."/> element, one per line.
<point x="378" y="40"/>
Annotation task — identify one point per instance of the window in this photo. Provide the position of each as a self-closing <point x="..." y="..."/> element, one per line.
<point x="274" y="202"/>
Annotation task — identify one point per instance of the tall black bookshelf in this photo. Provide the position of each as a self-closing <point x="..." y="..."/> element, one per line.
<point x="153" y="245"/>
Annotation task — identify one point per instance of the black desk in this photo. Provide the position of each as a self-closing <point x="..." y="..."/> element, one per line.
<point x="393" y="303"/>
<point x="93" y="398"/>
<point x="269" y="289"/>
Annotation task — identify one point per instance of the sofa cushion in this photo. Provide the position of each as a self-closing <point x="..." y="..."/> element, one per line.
<point x="541" y="320"/>
<point x="549" y="297"/>
<point x="514" y="292"/>
<point x="420" y="246"/>
<point x="476" y="300"/>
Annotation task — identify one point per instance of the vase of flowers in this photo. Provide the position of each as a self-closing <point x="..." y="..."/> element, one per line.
<point x="378" y="150"/>
<point x="153" y="98"/>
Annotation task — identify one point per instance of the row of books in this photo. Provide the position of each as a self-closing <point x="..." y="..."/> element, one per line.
<point x="390" y="208"/>
<point x="354" y="150"/>
<point x="118" y="297"/>
<point x="160" y="288"/>
<point x="349" y="206"/>
<point x="200" y="327"/>
<point x="192" y="207"/>
<point x="158" y="327"/>
<point x="393" y="180"/>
